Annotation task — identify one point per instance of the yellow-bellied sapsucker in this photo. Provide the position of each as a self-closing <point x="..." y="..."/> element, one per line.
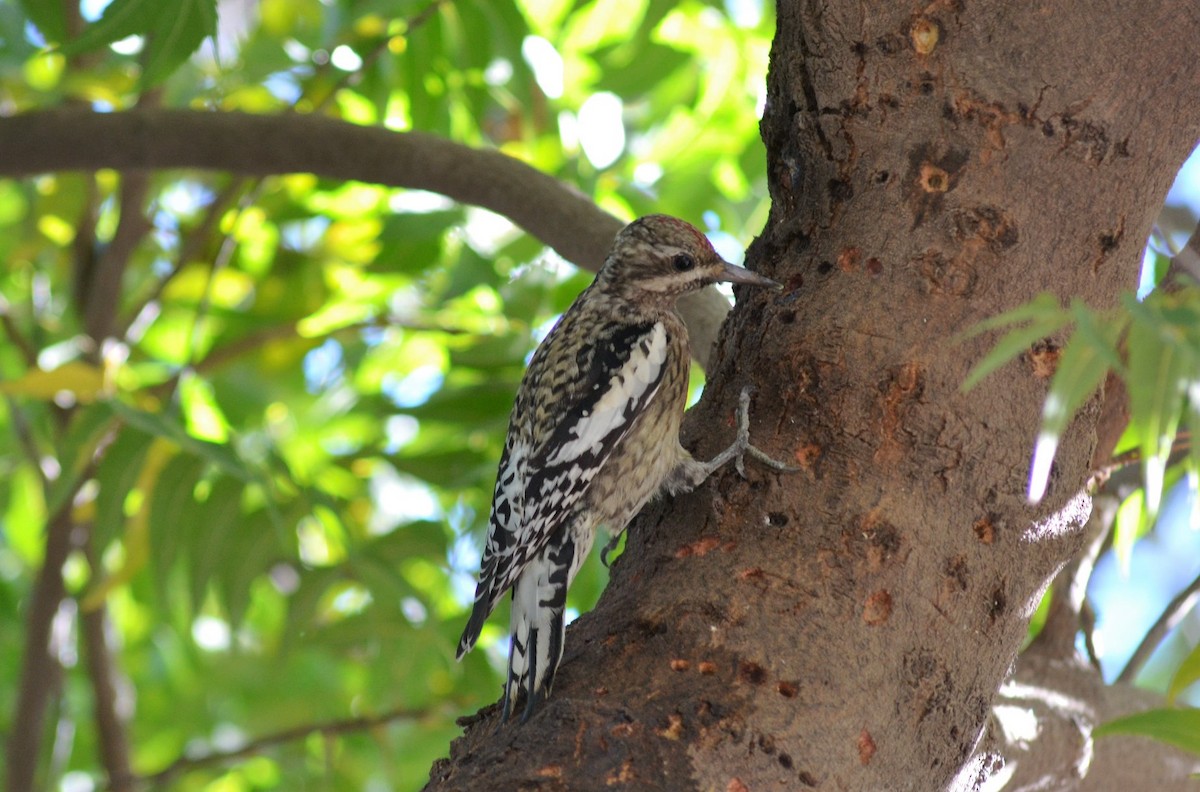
<point x="594" y="434"/>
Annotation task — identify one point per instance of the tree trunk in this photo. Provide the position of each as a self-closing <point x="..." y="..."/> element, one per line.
<point x="848" y="627"/>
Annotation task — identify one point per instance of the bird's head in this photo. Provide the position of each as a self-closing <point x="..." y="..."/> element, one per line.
<point x="659" y="258"/>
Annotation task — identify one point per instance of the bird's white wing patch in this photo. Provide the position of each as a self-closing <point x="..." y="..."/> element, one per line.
<point x="624" y="391"/>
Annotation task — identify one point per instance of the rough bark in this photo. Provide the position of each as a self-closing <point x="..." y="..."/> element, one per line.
<point x="848" y="627"/>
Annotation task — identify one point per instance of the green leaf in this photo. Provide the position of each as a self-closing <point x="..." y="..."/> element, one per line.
<point x="1131" y="524"/>
<point x="177" y="36"/>
<point x="1081" y="369"/>
<point x="1100" y="333"/>
<point x="117" y="473"/>
<point x="493" y="352"/>
<point x="121" y="18"/>
<point x="1159" y="373"/>
<point x="1178" y="727"/>
<point x="161" y="425"/>
<point x="468" y="404"/>
<point x="212" y="539"/>
<point x="411" y="242"/>
<point x="423" y="538"/>
<point x="173" y="31"/>
<point x="449" y="469"/>
<point x="470" y="271"/>
<point x="1045" y="318"/>
<point x="171" y="504"/>
<point x="382" y="580"/>
<point x="48" y="17"/>
<point x="1187" y="673"/>
<point x="1040" y="308"/>
<point x="305" y="601"/>
<point x="252" y="549"/>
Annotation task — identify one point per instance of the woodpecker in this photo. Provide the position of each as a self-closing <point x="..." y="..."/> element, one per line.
<point x="593" y="435"/>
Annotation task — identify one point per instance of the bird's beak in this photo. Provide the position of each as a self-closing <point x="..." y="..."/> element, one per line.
<point x="734" y="274"/>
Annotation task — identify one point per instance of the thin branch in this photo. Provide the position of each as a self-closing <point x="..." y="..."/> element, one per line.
<point x="329" y="728"/>
<point x="1172" y="615"/>
<point x="102" y="297"/>
<point x="1185" y="264"/>
<point x="40" y="669"/>
<point x="257" y="145"/>
<point x="25" y="438"/>
<point x="14" y="334"/>
<point x="1125" y="470"/>
<point x="102" y="292"/>
<point x="1069" y="609"/>
<point x="109" y="694"/>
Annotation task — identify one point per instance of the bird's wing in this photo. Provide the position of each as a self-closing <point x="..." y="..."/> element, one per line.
<point x="549" y="464"/>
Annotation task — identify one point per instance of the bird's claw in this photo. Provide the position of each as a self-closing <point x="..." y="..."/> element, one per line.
<point x="743" y="440"/>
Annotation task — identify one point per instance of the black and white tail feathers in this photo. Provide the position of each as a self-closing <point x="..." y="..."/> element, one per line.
<point x="538" y="616"/>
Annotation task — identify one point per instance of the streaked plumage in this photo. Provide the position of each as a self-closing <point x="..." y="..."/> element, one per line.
<point x="593" y="435"/>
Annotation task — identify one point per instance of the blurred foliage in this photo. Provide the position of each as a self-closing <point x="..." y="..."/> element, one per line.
<point x="284" y="460"/>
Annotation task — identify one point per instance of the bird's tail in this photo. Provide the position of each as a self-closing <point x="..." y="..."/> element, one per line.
<point x="487" y="595"/>
<point x="539" y="601"/>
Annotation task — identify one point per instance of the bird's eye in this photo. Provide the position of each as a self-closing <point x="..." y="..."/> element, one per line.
<point x="683" y="262"/>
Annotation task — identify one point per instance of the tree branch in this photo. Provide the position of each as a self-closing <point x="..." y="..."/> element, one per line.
<point x="1185" y="263"/>
<point x="254" y="145"/>
<point x="15" y="336"/>
<point x="1069" y="610"/>
<point x="1179" y="606"/>
<point x="110" y="696"/>
<point x="39" y="665"/>
<point x="342" y="726"/>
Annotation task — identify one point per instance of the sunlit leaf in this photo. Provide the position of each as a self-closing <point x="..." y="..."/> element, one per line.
<point x="202" y="414"/>
<point x="1160" y="371"/>
<point x="1082" y="367"/>
<point x="1187" y="674"/>
<point x="1178" y="727"/>
<point x="82" y="380"/>
<point x="1130" y="524"/>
